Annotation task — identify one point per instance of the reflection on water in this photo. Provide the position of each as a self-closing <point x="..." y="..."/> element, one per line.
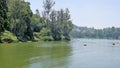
<point x="51" y="56"/>
<point x="35" y="55"/>
<point x="97" y="54"/>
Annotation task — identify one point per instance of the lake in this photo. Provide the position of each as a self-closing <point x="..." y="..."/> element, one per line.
<point x="99" y="53"/>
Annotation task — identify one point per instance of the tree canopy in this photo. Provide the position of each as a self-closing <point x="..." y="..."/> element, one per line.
<point x="17" y="17"/>
<point x="106" y="33"/>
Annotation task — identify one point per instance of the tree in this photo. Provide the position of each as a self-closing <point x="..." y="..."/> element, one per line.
<point x="37" y="21"/>
<point x="58" y="22"/>
<point x="3" y="16"/>
<point x="14" y="7"/>
<point x="66" y="23"/>
<point x="20" y="14"/>
<point x="47" y="4"/>
<point x="55" y="26"/>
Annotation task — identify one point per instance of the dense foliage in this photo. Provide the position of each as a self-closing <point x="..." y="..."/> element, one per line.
<point x="106" y="33"/>
<point x="3" y="17"/>
<point x="17" y="17"/>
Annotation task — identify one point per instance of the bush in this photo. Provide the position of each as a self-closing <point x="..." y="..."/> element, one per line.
<point x="46" y="38"/>
<point x="8" y="37"/>
<point x="37" y="36"/>
<point x="45" y="35"/>
<point x="7" y="40"/>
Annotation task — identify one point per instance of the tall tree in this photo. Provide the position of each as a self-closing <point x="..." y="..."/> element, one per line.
<point x="67" y="24"/>
<point x="27" y="18"/>
<point x="3" y="16"/>
<point x="55" y="26"/>
<point x="47" y="4"/>
<point x="14" y="13"/>
<point x="37" y="21"/>
<point x="20" y="14"/>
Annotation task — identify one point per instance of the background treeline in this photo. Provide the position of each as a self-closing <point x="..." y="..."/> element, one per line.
<point x="106" y="33"/>
<point x="19" y="23"/>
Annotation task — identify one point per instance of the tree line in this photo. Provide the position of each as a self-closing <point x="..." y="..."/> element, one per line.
<point x="106" y="33"/>
<point x="17" y="18"/>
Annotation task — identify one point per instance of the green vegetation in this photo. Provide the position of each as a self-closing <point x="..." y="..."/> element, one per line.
<point x="18" y="23"/>
<point x="3" y="17"/>
<point x="106" y="33"/>
<point x="8" y="37"/>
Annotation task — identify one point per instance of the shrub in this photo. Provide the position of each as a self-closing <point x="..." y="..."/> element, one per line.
<point x="8" y="37"/>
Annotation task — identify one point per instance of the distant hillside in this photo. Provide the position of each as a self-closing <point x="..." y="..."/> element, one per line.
<point x="85" y="32"/>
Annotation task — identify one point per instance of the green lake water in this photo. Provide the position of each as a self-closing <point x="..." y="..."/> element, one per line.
<point x="99" y="53"/>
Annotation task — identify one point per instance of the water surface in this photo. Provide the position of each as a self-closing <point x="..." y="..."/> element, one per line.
<point x="99" y="53"/>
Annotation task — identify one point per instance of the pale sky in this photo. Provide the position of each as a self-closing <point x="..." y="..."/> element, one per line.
<point x="90" y="13"/>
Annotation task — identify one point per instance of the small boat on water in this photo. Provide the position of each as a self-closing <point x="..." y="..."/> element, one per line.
<point x="85" y="44"/>
<point x="113" y="44"/>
